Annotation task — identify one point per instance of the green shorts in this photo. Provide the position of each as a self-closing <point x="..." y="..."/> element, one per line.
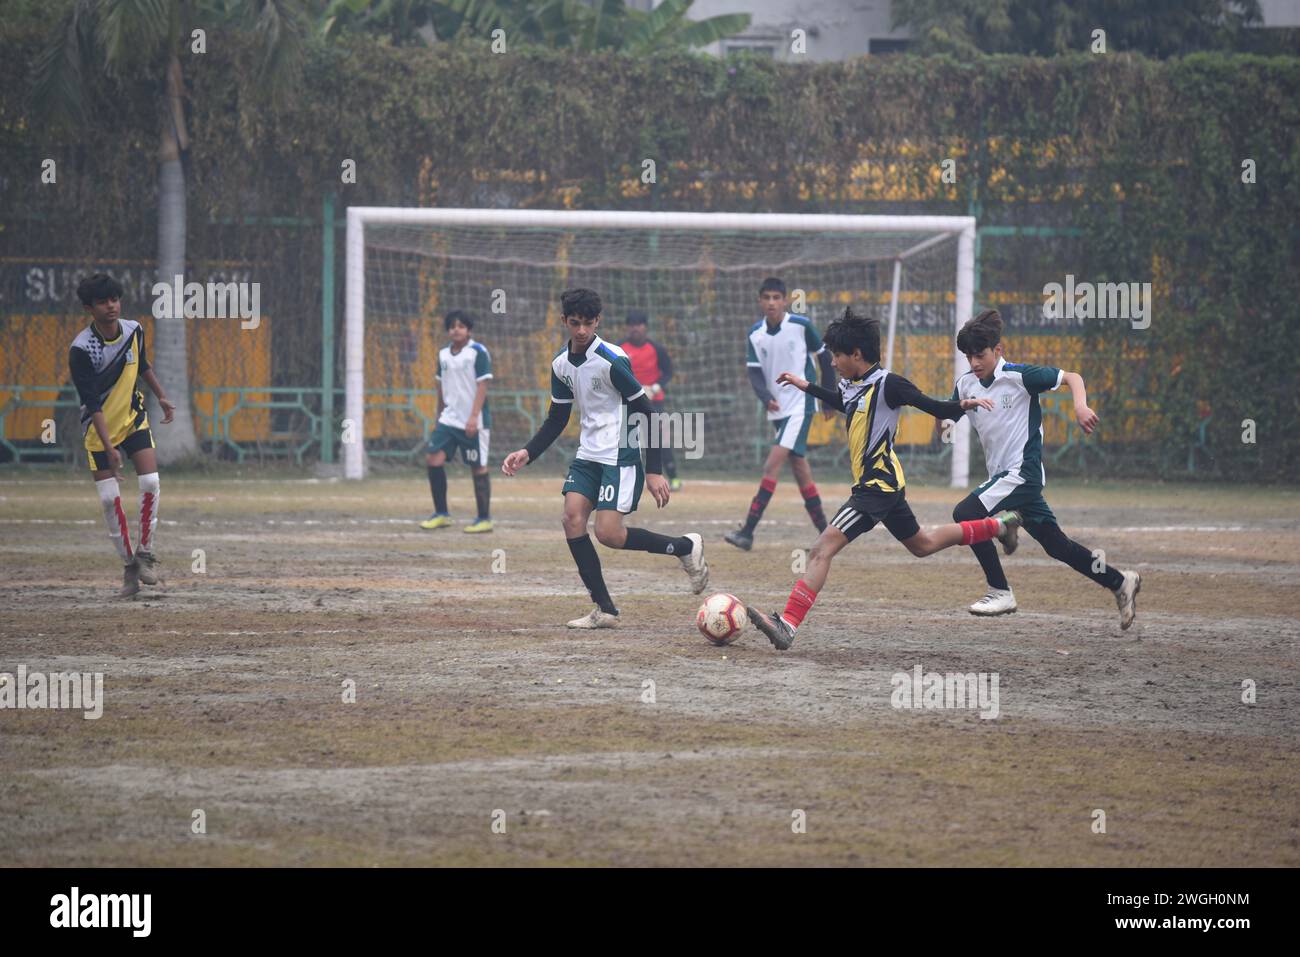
<point x="1009" y="490"/>
<point x="792" y="432"/>
<point x="473" y="451"/>
<point x="616" y="487"/>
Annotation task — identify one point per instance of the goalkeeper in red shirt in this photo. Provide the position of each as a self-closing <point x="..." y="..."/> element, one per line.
<point x="652" y="367"/>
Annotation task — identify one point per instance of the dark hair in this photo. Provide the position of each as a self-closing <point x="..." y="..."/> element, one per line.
<point x="982" y="332"/>
<point x="582" y="303"/>
<point x="457" y="315"/>
<point x="637" y="319"/>
<point x="772" y="284"/>
<point x="99" y="286"/>
<point x="853" y="332"/>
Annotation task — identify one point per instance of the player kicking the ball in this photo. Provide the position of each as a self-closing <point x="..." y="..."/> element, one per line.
<point x="464" y="368"/>
<point x="1012" y="435"/>
<point x="871" y="399"/>
<point x="106" y="361"/>
<point x="606" y="476"/>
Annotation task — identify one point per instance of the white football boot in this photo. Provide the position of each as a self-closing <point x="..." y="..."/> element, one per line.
<point x="696" y="568"/>
<point x="597" y="619"/>
<point x="999" y="601"/>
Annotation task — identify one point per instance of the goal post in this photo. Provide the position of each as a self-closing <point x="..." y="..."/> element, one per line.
<point x="406" y="267"/>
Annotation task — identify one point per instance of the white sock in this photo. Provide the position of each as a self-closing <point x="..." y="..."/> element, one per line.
<point x="111" y="502"/>
<point x="149" y="488"/>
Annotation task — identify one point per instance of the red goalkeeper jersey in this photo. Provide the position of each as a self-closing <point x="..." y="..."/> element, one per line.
<point x="650" y="362"/>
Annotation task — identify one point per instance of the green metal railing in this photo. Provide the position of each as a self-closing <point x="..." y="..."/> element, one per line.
<point x="65" y="398"/>
<point x="319" y="433"/>
<point x="215" y="428"/>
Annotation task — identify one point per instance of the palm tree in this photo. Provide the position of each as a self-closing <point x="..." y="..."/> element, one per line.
<point x="98" y="40"/>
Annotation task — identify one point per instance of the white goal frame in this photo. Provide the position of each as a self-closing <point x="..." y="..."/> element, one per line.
<point x="934" y="229"/>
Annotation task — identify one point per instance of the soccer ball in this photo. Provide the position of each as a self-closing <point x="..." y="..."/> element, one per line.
<point x="721" y="619"/>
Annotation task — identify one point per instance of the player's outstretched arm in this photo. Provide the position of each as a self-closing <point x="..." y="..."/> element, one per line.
<point x="1087" y="418"/>
<point x="900" y="391"/>
<point x="514" y="461"/>
<point x="831" y="399"/>
<point x="557" y="417"/>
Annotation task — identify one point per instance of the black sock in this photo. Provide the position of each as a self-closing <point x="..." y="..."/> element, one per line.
<point x="483" y="494"/>
<point x="971" y="509"/>
<point x="813" y="503"/>
<point x="438" y="485"/>
<point x="987" y="553"/>
<point x="759" y="503"/>
<point x="1063" y="549"/>
<point x="588" y="562"/>
<point x="641" y="540"/>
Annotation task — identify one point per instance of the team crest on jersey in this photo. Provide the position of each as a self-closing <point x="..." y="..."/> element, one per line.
<point x="1007" y="399"/>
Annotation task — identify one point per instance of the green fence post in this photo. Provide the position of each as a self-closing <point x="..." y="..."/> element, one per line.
<point x="327" y="331"/>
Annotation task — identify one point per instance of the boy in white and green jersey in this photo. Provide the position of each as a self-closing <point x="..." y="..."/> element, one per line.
<point x="606" y="475"/>
<point x="464" y="421"/>
<point x="1012" y="436"/>
<point x="783" y="342"/>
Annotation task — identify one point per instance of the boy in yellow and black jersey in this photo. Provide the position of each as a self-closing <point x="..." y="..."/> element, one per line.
<point x="871" y="399"/>
<point x="107" y="360"/>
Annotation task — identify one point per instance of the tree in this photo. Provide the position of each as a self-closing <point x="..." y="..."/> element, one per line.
<point x="1048" y="27"/>
<point x="98" y="41"/>
<point x="584" y="26"/>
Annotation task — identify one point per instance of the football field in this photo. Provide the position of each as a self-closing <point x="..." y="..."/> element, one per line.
<point x="483" y="732"/>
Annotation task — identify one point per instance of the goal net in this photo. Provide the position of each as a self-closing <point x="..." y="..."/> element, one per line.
<point x="695" y="275"/>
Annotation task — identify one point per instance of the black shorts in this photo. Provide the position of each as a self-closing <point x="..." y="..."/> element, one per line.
<point x="871" y="507"/>
<point x="133" y="443"/>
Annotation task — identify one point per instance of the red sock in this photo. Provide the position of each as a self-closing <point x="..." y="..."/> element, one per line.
<point x="980" y="530"/>
<point x="798" y="604"/>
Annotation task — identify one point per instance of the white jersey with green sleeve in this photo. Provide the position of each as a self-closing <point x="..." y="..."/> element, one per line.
<point x="1012" y="431"/>
<point x="459" y="374"/>
<point x="789" y="347"/>
<point x="600" y="384"/>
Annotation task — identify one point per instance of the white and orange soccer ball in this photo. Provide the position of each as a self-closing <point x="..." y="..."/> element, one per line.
<point x="721" y="619"/>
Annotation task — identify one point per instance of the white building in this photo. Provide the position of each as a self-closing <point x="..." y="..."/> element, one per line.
<point x="833" y="29"/>
<point x="842" y="29"/>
